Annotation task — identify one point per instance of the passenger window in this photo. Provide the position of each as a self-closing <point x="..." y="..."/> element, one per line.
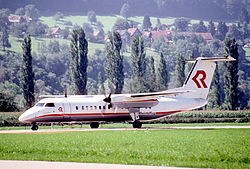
<point x="39" y="104"/>
<point x="82" y="107"/>
<point x="76" y="107"/>
<point x="95" y="107"/>
<point x="91" y="107"/>
<point x="100" y="107"/>
<point x="50" y="105"/>
<point x="87" y="107"/>
<point x="103" y="107"/>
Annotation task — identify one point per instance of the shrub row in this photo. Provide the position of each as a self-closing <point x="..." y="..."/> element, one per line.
<point x="11" y="119"/>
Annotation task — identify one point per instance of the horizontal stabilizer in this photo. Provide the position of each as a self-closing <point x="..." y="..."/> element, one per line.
<point x="159" y="94"/>
<point x="229" y="58"/>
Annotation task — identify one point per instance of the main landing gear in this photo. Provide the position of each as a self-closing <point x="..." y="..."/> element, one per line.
<point x="94" y="125"/>
<point x="137" y="124"/>
<point x="134" y="113"/>
<point x="34" y="127"/>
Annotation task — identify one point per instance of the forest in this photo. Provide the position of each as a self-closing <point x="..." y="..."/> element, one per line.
<point x="157" y="35"/>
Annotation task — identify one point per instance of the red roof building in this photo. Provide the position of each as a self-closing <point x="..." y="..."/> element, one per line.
<point x="17" y="19"/>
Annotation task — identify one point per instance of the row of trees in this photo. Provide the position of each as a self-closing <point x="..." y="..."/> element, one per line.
<point x="222" y="9"/>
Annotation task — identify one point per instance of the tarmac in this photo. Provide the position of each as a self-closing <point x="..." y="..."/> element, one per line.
<point x="118" y="129"/>
<point x="9" y="164"/>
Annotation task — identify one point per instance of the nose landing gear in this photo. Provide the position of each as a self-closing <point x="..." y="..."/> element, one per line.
<point x="34" y="127"/>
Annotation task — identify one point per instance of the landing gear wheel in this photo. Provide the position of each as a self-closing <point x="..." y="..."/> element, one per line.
<point x="94" y="125"/>
<point x="34" y="127"/>
<point x="137" y="124"/>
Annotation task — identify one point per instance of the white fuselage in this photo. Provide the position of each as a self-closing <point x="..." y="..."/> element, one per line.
<point x="93" y="108"/>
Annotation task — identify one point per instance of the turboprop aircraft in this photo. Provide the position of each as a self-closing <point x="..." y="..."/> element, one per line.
<point x="128" y="107"/>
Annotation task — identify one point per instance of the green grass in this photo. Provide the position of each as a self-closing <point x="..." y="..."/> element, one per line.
<point x="247" y="52"/>
<point x="16" y="44"/>
<point x="125" y="125"/>
<point x="224" y="148"/>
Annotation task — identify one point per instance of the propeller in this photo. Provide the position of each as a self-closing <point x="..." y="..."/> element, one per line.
<point x="108" y="100"/>
<point x="65" y="91"/>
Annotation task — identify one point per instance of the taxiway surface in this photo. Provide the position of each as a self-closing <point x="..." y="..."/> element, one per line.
<point x="72" y="165"/>
<point x="117" y="129"/>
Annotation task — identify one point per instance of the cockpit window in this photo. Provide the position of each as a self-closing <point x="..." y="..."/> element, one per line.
<point x="39" y="104"/>
<point x="50" y="105"/>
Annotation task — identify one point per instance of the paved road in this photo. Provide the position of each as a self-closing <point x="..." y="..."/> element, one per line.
<point x="116" y="129"/>
<point x="66" y="165"/>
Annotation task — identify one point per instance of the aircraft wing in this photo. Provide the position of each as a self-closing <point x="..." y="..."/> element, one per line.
<point x="142" y="100"/>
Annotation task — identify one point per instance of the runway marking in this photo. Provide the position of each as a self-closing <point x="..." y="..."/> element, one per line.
<point x="121" y="129"/>
<point x="73" y="165"/>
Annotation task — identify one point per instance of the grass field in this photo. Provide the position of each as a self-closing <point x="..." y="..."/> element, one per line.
<point x="223" y="148"/>
<point x="124" y="125"/>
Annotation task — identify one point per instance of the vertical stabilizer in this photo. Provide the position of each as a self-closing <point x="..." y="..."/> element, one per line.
<point x="200" y="77"/>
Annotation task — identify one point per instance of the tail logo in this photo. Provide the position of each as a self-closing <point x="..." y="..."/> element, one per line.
<point x="200" y="82"/>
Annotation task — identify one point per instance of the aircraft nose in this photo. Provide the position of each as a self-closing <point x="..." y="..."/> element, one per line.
<point x="26" y="116"/>
<point x="23" y="118"/>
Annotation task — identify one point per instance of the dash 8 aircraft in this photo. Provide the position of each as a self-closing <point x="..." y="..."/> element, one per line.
<point x="128" y="107"/>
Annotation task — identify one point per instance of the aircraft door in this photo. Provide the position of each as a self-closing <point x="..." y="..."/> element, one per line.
<point x="66" y="110"/>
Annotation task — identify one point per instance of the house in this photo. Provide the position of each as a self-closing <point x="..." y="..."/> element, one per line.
<point x="206" y="36"/>
<point x="54" y="32"/>
<point x="134" y="32"/>
<point x="99" y="36"/>
<point x="18" y="19"/>
<point x="161" y="34"/>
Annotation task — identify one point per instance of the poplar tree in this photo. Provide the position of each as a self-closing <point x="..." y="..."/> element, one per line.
<point x="231" y="101"/>
<point x="27" y="75"/>
<point x="101" y="88"/>
<point x="152" y="76"/>
<point x="79" y="61"/>
<point x="180" y="71"/>
<point x="138" y="64"/>
<point x="215" y="93"/>
<point x="162" y="74"/>
<point x="211" y="28"/>
<point x="114" y="63"/>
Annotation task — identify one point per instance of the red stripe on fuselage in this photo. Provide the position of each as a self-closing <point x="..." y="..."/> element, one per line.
<point x="138" y="101"/>
<point x="99" y="114"/>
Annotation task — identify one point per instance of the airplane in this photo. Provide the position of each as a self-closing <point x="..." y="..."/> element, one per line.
<point x="135" y="108"/>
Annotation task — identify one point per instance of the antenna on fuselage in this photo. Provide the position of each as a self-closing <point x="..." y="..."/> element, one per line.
<point x="65" y="91"/>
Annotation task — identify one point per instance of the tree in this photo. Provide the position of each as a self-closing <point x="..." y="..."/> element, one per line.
<point x="180" y="71"/>
<point x="138" y="64"/>
<point x="20" y="11"/>
<point x="234" y="32"/>
<point x="221" y="31"/>
<point x="114" y="63"/>
<point x="215" y="93"/>
<point x="125" y="10"/>
<point x="231" y="101"/>
<point x="92" y="16"/>
<point x="181" y="24"/>
<point x="36" y="29"/>
<point x="244" y="16"/>
<point x="7" y="103"/>
<point x="27" y="78"/>
<point x="5" y="39"/>
<point x="162" y="74"/>
<point x="58" y="16"/>
<point x="54" y="46"/>
<point x="200" y="27"/>
<point x="32" y="11"/>
<point x="146" y="24"/>
<point x="158" y="25"/>
<point x="152" y="76"/>
<point x="101" y="88"/>
<point x="79" y="62"/>
<point x="211" y="28"/>
<point x="121" y="24"/>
